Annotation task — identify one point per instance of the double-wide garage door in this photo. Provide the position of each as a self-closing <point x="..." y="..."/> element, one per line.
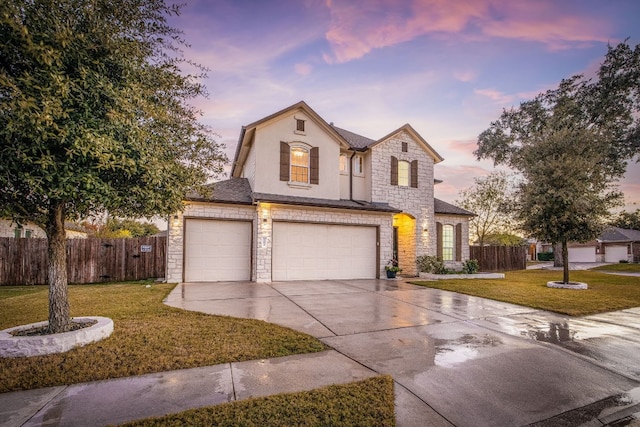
<point x="220" y="250"/>
<point x="217" y="250"/>
<point x="303" y="251"/>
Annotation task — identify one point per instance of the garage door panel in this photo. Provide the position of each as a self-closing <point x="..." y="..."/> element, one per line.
<point x="584" y="254"/>
<point x="615" y="253"/>
<point x="217" y="250"/>
<point x="318" y="251"/>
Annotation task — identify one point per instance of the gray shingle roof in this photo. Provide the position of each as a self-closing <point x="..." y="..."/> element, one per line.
<point x="441" y="207"/>
<point x="355" y="141"/>
<point x="234" y="190"/>
<point x="616" y="234"/>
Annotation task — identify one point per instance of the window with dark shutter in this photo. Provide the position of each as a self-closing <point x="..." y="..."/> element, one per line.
<point x="394" y="170"/>
<point x="315" y="166"/>
<point x="284" y="161"/>
<point x="439" y="240"/>
<point x="458" y="242"/>
<point x="414" y="174"/>
<point x="405" y="147"/>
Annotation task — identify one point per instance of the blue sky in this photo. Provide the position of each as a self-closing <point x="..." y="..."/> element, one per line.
<point x="446" y="67"/>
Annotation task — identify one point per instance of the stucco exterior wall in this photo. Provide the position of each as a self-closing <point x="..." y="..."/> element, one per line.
<point x="267" y="149"/>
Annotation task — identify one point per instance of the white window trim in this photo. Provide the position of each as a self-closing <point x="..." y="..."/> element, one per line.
<point x="453" y="242"/>
<point x="356" y="160"/>
<point x="300" y="132"/>
<point x="300" y="184"/>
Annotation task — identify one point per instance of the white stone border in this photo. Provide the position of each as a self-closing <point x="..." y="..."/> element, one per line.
<point x="570" y="285"/>
<point x="462" y="276"/>
<point x="18" y="346"/>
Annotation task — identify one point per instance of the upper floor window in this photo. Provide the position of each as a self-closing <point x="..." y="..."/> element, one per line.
<point x="403" y="173"/>
<point x="17" y="232"/>
<point x="344" y="162"/>
<point x="299" y="165"/>
<point x="358" y="165"/>
<point x="447" y="242"/>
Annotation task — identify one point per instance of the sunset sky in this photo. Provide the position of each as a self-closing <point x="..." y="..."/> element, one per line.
<point x="446" y="67"/>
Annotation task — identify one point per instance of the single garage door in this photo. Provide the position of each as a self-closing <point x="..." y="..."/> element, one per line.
<point x="615" y="253"/>
<point x="320" y="251"/>
<point x="217" y="250"/>
<point x="586" y="254"/>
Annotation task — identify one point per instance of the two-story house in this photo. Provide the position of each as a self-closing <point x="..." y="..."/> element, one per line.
<point x="308" y="200"/>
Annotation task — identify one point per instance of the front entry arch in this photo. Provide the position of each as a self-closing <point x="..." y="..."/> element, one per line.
<point x="404" y="242"/>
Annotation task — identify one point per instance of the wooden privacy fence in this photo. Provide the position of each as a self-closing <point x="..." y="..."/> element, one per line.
<point x="24" y="261"/>
<point x="500" y="258"/>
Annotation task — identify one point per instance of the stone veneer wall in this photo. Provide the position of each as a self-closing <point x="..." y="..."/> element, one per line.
<point x="175" y="239"/>
<point x="417" y="202"/>
<point x="7" y="229"/>
<point x="453" y="220"/>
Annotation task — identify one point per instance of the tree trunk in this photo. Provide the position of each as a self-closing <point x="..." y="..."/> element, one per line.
<point x="59" y="319"/>
<point x="565" y="262"/>
<point x="558" y="260"/>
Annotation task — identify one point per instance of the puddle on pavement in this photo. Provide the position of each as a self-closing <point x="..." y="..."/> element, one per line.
<point x="467" y="347"/>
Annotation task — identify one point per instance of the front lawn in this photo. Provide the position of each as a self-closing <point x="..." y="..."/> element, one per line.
<point x="364" y="403"/>
<point x="606" y="292"/>
<point x="148" y="337"/>
<point x="622" y="267"/>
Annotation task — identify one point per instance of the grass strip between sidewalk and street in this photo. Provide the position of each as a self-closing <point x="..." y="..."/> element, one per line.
<point x="148" y="336"/>
<point x="364" y="403"/>
<point x="607" y="292"/>
<point x="622" y="267"/>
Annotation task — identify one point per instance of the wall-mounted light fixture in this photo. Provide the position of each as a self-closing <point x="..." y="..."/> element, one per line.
<point x="176" y="220"/>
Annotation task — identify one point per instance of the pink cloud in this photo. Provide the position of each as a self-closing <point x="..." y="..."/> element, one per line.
<point x="495" y="96"/>
<point x="303" y="69"/>
<point x="357" y="28"/>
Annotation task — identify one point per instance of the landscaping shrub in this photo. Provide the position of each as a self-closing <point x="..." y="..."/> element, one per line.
<point x="545" y="256"/>
<point x="470" y="266"/>
<point x="430" y="264"/>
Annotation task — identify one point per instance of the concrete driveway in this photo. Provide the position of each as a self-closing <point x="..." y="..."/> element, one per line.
<point x="457" y="360"/>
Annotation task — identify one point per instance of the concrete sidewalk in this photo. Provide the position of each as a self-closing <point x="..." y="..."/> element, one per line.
<point x="126" y="399"/>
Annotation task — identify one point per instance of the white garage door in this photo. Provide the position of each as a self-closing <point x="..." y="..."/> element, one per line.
<point x="587" y="254"/>
<point x="615" y="253"/>
<point x="217" y="250"/>
<point x="319" y="251"/>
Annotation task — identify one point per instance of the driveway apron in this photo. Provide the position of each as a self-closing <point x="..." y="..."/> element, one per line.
<point x="456" y="359"/>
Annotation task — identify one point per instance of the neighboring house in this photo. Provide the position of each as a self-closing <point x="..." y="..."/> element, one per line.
<point x="9" y="228"/>
<point x="308" y="200"/>
<point x="613" y="245"/>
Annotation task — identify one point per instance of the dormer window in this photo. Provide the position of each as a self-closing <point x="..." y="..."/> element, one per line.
<point x="299" y="164"/>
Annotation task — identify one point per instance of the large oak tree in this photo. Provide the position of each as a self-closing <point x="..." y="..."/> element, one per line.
<point x="95" y="116"/>
<point x="570" y="144"/>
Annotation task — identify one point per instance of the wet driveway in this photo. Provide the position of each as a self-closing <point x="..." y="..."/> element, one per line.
<point x="456" y="359"/>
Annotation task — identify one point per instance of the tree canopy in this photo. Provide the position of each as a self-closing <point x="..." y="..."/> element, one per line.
<point x="95" y="116"/>
<point x="491" y="199"/>
<point x="570" y="144"/>
<point x="628" y="220"/>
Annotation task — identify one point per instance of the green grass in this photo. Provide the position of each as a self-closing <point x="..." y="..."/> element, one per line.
<point x="363" y="403"/>
<point x="148" y="336"/>
<point x="606" y="292"/>
<point x="629" y="268"/>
